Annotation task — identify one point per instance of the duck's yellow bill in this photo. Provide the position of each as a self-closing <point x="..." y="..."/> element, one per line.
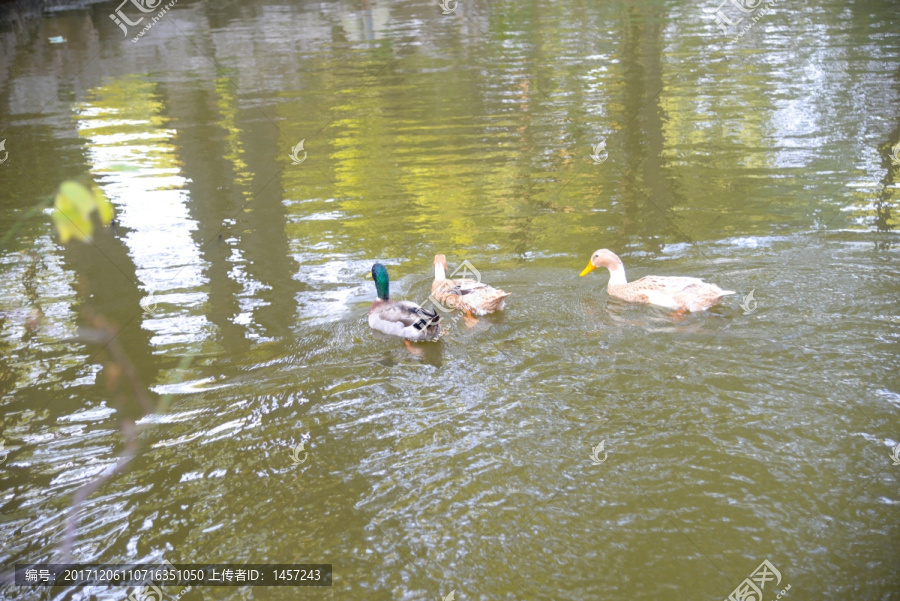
<point x="588" y="269"/>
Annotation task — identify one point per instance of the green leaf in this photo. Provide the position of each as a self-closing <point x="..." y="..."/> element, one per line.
<point x="70" y="222"/>
<point x="79" y="196"/>
<point x="74" y="205"/>
<point x="104" y="207"/>
<point x="63" y="226"/>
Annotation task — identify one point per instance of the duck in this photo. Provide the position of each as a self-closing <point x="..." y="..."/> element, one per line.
<point x="400" y="318"/>
<point x="681" y="294"/>
<point x="468" y="295"/>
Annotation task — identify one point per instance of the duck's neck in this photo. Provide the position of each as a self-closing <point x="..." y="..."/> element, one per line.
<point x="617" y="275"/>
<point x="382" y="289"/>
<point x="439" y="273"/>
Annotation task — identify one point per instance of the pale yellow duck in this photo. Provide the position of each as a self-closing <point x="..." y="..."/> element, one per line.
<point x="465" y="294"/>
<point x="678" y="293"/>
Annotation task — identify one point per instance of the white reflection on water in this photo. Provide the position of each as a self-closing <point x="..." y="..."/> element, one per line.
<point x="130" y="149"/>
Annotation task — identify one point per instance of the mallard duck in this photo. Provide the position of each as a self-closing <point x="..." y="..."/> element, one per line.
<point x="400" y="318"/>
<point x="465" y="294"/>
<point x="680" y="294"/>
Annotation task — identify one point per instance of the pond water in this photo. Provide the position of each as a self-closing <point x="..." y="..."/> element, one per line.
<point x="759" y="161"/>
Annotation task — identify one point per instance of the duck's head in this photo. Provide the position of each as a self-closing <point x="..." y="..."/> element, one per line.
<point x="382" y="283"/>
<point x="603" y="258"/>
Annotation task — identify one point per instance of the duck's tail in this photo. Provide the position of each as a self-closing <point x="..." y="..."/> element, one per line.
<point x="491" y="300"/>
<point x="497" y="303"/>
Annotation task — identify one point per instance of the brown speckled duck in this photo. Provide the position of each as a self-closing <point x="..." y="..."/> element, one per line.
<point x="465" y="294"/>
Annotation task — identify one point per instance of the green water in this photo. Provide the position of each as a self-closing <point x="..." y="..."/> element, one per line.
<point x="730" y="437"/>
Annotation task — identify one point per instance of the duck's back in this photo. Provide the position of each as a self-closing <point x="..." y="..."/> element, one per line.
<point x="406" y="319"/>
<point x="673" y="292"/>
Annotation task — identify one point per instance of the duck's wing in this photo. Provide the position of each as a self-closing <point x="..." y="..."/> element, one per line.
<point x="409" y="314"/>
<point x="664" y="284"/>
<point x="405" y="319"/>
<point x="692" y="294"/>
<point x="464" y="287"/>
<point x="468" y="294"/>
<point x="656" y="290"/>
<point x="694" y="286"/>
<point x="458" y="287"/>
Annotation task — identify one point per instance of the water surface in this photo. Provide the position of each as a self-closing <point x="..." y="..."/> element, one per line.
<point x="760" y="163"/>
